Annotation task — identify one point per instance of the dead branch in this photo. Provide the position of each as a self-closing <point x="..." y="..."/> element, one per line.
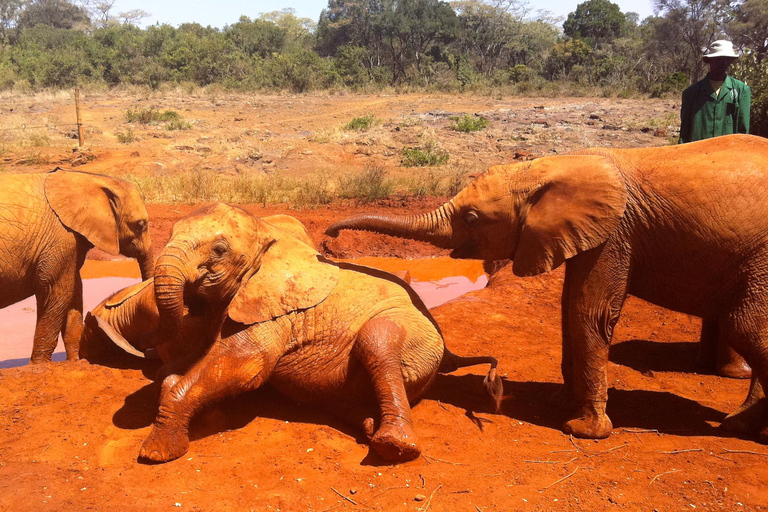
<point x="558" y="481"/>
<point x="662" y="474"/>
<point x="675" y="452"/>
<point x="344" y="497"/>
<point x="429" y="500"/>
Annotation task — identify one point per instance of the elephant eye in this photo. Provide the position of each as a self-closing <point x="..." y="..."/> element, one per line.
<point x="471" y="218"/>
<point x="141" y="226"/>
<point x="219" y="250"/>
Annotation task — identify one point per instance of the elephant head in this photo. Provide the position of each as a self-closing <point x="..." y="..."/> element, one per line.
<point x="108" y="212"/>
<point x="223" y="261"/>
<point x="536" y="213"/>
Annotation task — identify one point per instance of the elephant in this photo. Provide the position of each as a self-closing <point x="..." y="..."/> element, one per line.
<point x="127" y="321"/>
<point x="273" y="310"/>
<point x="683" y="227"/>
<point x="48" y="223"/>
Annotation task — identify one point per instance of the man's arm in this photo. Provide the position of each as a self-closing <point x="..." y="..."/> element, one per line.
<point x="685" y="118"/>
<point x="745" y="103"/>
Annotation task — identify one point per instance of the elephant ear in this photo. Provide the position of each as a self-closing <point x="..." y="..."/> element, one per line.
<point x="87" y="204"/>
<point x="575" y="203"/>
<point x="131" y="291"/>
<point x="292" y="277"/>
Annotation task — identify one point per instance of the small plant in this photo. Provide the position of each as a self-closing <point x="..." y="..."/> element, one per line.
<point x="150" y="115"/>
<point x="361" y="124"/>
<point x="314" y="191"/>
<point x="126" y="137"/>
<point x="416" y="157"/>
<point x="178" y="124"/>
<point x="37" y="140"/>
<point x="369" y="185"/>
<point x="467" y="123"/>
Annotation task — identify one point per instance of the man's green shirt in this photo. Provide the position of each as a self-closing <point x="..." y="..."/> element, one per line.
<point x="704" y="115"/>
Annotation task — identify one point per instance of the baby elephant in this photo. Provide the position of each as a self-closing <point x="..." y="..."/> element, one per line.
<point x="127" y="321"/>
<point x="274" y="310"/>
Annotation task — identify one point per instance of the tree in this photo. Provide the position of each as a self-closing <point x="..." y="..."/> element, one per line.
<point x="749" y="27"/>
<point x="597" y="21"/>
<point x="132" y="17"/>
<point x="54" y="13"/>
<point x="9" y="17"/>
<point x="695" y="23"/>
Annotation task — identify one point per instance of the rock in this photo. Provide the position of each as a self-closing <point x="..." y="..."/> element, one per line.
<point x="419" y="497"/>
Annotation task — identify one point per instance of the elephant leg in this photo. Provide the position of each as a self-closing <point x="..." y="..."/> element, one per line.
<point x="226" y="370"/>
<point x="73" y="322"/>
<point x="596" y="293"/>
<point x="717" y="356"/>
<point x="566" y="362"/>
<point x="378" y="348"/>
<point x="750" y="416"/>
<point x="52" y="305"/>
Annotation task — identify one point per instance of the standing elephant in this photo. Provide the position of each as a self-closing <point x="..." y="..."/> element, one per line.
<point x="684" y="227"/>
<point x="48" y="223"/>
<point x="318" y="331"/>
<point x="128" y="320"/>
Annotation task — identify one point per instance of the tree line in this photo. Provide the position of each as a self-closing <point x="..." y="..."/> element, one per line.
<point x="367" y="44"/>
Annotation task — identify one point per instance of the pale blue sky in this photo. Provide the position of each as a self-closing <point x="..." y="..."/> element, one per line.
<point x="226" y="12"/>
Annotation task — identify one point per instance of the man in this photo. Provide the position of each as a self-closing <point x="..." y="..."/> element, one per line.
<point x="718" y="104"/>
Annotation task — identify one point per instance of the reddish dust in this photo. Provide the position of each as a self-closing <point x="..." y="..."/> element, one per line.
<point x="72" y="431"/>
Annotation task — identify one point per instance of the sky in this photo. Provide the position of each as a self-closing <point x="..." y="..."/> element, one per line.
<point x="226" y="12"/>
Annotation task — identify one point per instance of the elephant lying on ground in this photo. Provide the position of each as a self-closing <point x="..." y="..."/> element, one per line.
<point x="272" y="309"/>
<point x="684" y="227"/>
<point x="128" y="320"/>
<point x="48" y="223"/>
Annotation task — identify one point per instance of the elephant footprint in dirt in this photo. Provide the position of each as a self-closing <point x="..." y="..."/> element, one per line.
<point x="354" y="338"/>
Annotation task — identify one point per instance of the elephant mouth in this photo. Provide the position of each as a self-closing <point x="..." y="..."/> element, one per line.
<point x="464" y="251"/>
<point x="196" y="305"/>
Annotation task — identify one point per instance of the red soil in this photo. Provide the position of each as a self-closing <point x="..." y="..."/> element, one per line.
<point x="72" y="431"/>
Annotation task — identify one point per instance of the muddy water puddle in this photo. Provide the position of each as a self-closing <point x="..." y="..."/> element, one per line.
<point x="436" y="280"/>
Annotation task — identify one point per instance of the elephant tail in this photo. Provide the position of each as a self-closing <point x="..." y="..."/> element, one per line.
<point x="492" y="382"/>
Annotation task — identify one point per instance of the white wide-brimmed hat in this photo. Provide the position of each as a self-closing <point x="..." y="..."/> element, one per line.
<point x="721" y="48"/>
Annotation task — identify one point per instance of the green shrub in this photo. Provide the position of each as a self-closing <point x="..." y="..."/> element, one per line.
<point x="467" y="123"/>
<point x="361" y="124"/>
<point x="369" y="185"/>
<point x="150" y="115"/>
<point x="416" y="157"/>
<point x="178" y="124"/>
<point x="126" y="137"/>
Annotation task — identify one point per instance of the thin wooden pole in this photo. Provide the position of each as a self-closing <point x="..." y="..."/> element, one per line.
<point x="79" y="119"/>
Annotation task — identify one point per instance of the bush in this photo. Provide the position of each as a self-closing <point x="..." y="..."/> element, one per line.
<point x="369" y="185"/>
<point x="415" y="157"/>
<point x="126" y="137"/>
<point x="361" y="124"/>
<point x="467" y="123"/>
<point x="150" y="115"/>
<point x="673" y="83"/>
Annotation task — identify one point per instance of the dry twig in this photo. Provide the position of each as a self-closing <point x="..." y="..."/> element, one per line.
<point x="344" y="497"/>
<point x="675" y="452"/>
<point x="726" y="450"/>
<point x="558" y="481"/>
<point x="445" y="461"/>
<point x="429" y="500"/>
<point x="662" y="474"/>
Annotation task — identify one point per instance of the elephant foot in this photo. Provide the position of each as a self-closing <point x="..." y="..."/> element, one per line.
<point x="735" y="370"/>
<point x="589" y="425"/>
<point x="396" y="442"/>
<point x="747" y="419"/>
<point x="164" y="445"/>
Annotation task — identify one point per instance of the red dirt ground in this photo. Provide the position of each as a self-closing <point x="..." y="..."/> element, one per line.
<point x="71" y="431"/>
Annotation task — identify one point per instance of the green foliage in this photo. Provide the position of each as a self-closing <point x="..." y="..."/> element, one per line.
<point x="754" y="72"/>
<point x="361" y="124"/>
<point x="53" y="13"/>
<point x="369" y="185"/>
<point x="126" y="137"/>
<point x="673" y="83"/>
<point x="467" y="123"/>
<point x="151" y="115"/>
<point x="596" y="21"/>
<point x="416" y="157"/>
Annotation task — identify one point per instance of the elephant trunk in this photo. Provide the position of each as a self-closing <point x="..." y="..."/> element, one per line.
<point x="433" y="227"/>
<point x="147" y="265"/>
<point x="170" y="281"/>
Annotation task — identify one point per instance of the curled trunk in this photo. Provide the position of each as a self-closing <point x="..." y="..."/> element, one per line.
<point x="169" y="294"/>
<point x="147" y="266"/>
<point x="433" y="227"/>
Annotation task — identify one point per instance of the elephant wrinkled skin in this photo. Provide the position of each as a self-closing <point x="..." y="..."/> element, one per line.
<point x="49" y="223"/>
<point x="684" y="227"/>
<point x="270" y="308"/>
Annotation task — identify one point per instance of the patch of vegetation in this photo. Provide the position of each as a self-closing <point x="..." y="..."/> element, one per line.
<point x="37" y="140"/>
<point x="429" y="156"/>
<point x="151" y="115"/>
<point x="468" y="123"/>
<point x="178" y="124"/>
<point x="126" y="137"/>
<point x="369" y="185"/>
<point x="361" y="124"/>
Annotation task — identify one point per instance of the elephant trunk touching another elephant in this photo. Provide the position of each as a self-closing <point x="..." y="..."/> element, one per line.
<point x="170" y="282"/>
<point x="683" y="227"/>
